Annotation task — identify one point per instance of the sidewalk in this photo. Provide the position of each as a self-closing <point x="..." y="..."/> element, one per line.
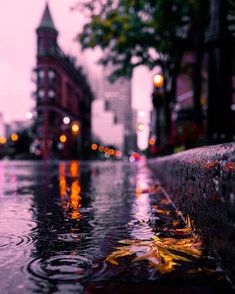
<point x="202" y="184"/>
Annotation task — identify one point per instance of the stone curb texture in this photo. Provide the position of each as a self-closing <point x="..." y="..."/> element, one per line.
<point x="201" y="182"/>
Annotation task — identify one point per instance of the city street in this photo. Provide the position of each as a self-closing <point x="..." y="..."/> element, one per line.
<point x="97" y="227"/>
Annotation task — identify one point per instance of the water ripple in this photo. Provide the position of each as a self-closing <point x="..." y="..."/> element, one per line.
<point x="8" y="225"/>
<point x="5" y="241"/>
<point x="71" y="237"/>
<point x="12" y="241"/>
<point x="24" y="241"/>
<point x="60" y="268"/>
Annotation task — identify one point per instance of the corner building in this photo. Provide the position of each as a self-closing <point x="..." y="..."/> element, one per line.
<point x="61" y="91"/>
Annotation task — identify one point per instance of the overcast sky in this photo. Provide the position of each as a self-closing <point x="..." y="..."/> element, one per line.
<point x="18" y="21"/>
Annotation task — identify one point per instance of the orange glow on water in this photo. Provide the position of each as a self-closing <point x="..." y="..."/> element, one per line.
<point x="62" y="179"/>
<point x="75" y="199"/>
<point x="70" y="195"/>
<point x="74" y="168"/>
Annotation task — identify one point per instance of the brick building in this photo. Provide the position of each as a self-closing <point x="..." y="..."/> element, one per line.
<point x="63" y="99"/>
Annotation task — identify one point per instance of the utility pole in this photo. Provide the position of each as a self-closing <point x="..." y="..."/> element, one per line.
<point x="220" y="55"/>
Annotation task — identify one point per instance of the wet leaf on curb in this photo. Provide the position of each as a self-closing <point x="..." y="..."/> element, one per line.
<point x="161" y="253"/>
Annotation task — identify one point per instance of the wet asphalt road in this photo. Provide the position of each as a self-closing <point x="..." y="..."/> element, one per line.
<point x="61" y="224"/>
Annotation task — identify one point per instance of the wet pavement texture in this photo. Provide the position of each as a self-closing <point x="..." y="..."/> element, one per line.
<point x="97" y="227"/>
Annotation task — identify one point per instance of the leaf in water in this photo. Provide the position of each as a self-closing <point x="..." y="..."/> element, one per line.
<point x="175" y="223"/>
<point x="121" y="252"/>
<point x="179" y="232"/>
<point x="158" y="251"/>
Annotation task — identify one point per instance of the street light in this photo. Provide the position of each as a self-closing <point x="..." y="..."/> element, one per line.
<point x="157" y="100"/>
<point x="3" y="140"/>
<point x="29" y="115"/>
<point x="158" y="80"/>
<point x="66" y="120"/>
<point x="75" y="128"/>
<point x="63" y="139"/>
<point x="140" y="127"/>
<point x="94" y="147"/>
<point x="14" y="137"/>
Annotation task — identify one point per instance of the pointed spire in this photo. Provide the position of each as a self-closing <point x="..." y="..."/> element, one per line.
<point x="47" y="21"/>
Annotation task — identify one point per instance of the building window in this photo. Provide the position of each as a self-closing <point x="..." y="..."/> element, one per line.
<point x="41" y="45"/>
<point x="52" y="118"/>
<point x="51" y="94"/>
<point x="41" y="73"/>
<point x="51" y="74"/>
<point x="41" y="94"/>
<point x="115" y="120"/>
<point x="107" y="105"/>
<point x="41" y="77"/>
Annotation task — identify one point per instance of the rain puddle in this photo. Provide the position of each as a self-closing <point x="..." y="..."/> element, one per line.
<point x="97" y="227"/>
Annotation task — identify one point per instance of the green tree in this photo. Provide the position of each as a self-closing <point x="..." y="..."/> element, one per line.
<point x="132" y="33"/>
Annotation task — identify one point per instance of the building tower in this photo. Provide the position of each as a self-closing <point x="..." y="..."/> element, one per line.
<point x="117" y="96"/>
<point x="63" y="98"/>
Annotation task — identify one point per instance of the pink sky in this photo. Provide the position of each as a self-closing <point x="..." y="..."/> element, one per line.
<point x="18" y="21"/>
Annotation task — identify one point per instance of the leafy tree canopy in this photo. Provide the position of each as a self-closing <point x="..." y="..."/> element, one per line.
<point x="138" y="32"/>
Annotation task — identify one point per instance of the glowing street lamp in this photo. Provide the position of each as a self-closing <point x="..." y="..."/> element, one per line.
<point x="152" y="141"/>
<point x="140" y="127"/>
<point x="14" y="137"/>
<point x="63" y="139"/>
<point x="66" y="120"/>
<point x="158" y="102"/>
<point x="75" y="128"/>
<point x="3" y="140"/>
<point x="29" y="115"/>
<point x="141" y="113"/>
<point x="158" y="80"/>
<point x="94" y="147"/>
<point x="101" y="148"/>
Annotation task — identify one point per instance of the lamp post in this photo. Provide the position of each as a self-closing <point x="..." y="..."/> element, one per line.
<point x="220" y="45"/>
<point x="158" y="83"/>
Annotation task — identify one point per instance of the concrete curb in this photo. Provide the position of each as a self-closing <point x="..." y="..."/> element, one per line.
<point x="201" y="182"/>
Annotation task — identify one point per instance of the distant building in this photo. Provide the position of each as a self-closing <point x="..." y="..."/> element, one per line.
<point x="63" y="99"/>
<point x="2" y="126"/>
<point x="117" y="99"/>
<point x="104" y="126"/>
<point x="16" y="126"/>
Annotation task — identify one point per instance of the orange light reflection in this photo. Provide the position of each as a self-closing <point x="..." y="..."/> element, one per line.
<point x="62" y="179"/>
<point x="74" y="169"/>
<point x="70" y="202"/>
<point x="75" y="199"/>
